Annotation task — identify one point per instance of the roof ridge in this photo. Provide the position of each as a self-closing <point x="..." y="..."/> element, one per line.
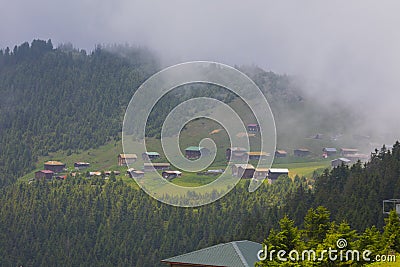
<point x="239" y="253"/>
<point x="196" y="251"/>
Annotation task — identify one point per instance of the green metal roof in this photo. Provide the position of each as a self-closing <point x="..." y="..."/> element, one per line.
<point x="194" y="148"/>
<point x="232" y="254"/>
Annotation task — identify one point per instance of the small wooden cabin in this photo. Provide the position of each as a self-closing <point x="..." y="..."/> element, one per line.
<point x="338" y="162"/>
<point x="125" y="159"/>
<point x="253" y="128"/>
<point x="274" y="173"/>
<point x="150" y="155"/>
<point x="280" y="154"/>
<point x="54" y="166"/>
<point x="150" y="167"/>
<point x="235" y="153"/>
<point x="243" y="170"/>
<point x="44" y="174"/>
<point x="195" y="152"/>
<point x="301" y="152"/>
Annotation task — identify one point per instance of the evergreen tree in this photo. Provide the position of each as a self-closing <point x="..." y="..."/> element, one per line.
<point x="391" y="233"/>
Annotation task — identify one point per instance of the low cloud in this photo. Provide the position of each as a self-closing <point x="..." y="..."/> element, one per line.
<point x="344" y="51"/>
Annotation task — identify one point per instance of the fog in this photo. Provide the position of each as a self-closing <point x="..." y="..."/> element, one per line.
<point x="343" y="51"/>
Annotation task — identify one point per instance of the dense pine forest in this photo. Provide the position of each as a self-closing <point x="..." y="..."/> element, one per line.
<point x="83" y="222"/>
<point x="67" y="99"/>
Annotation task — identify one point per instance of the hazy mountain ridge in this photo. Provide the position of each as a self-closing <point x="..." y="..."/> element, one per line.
<point x="65" y="99"/>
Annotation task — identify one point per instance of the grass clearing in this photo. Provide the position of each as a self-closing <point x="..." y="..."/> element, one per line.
<point x="304" y="168"/>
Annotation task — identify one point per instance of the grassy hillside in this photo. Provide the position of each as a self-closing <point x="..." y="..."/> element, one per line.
<point x="105" y="158"/>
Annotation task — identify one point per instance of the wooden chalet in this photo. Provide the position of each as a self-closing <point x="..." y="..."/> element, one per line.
<point x="243" y="170"/>
<point x="125" y="159"/>
<point x="329" y="151"/>
<point x="81" y="165"/>
<point x="280" y="154"/>
<point x="150" y="167"/>
<point x="257" y="155"/>
<point x="44" y="175"/>
<point x="195" y="152"/>
<point x="253" y="128"/>
<point x="150" y="155"/>
<point x="274" y="173"/>
<point x="339" y="162"/>
<point x="260" y="173"/>
<point x="235" y="153"/>
<point x="348" y="151"/>
<point x="301" y="152"/>
<point x="54" y="166"/>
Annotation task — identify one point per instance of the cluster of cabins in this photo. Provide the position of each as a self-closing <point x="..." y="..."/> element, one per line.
<point x="51" y="169"/>
<point x="194" y="152"/>
<point x="128" y="159"/>
<point x="247" y="171"/>
<point x="346" y="155"/>
<point x="57" y="170"/>
<point x="240" y="154"/>
<point x="299" y="152"/>
<point x="191" y="152"/>
<point x="151" y="167"/>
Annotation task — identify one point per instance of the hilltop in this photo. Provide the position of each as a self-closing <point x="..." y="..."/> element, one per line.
<point x="65" y="101"/>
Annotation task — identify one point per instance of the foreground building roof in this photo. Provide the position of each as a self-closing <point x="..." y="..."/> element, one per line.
<point x="232" y="254"/>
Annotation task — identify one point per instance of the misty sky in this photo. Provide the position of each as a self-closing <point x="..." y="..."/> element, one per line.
<point x="349" y="48"/>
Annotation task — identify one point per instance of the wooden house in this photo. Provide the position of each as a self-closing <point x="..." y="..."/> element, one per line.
<point x="81" y="165"/>
<point x="125" y="159"/>
<point x="338" y="162"/>
<point x="253" y="128"/>
<point x="150" y="167"/>
<point x="257" y="155"/>
<point x="243" y="170"/>
<point x="44" y="174"/>
<point x="274" y="173"/>
<point x="301" y="152"/>
<point x="280" y="154"/>
<point x="238" y="253"/>
<point x="54" y="166"/>
<point x="235" y="153"/>
<point x="150" y="155"/>
<point x="357" y="157"/>
<point x="195" y="152"/>
<point x="348" y="151"/>
<point x="329" y="151"/>
<point x="260" y="173"/>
